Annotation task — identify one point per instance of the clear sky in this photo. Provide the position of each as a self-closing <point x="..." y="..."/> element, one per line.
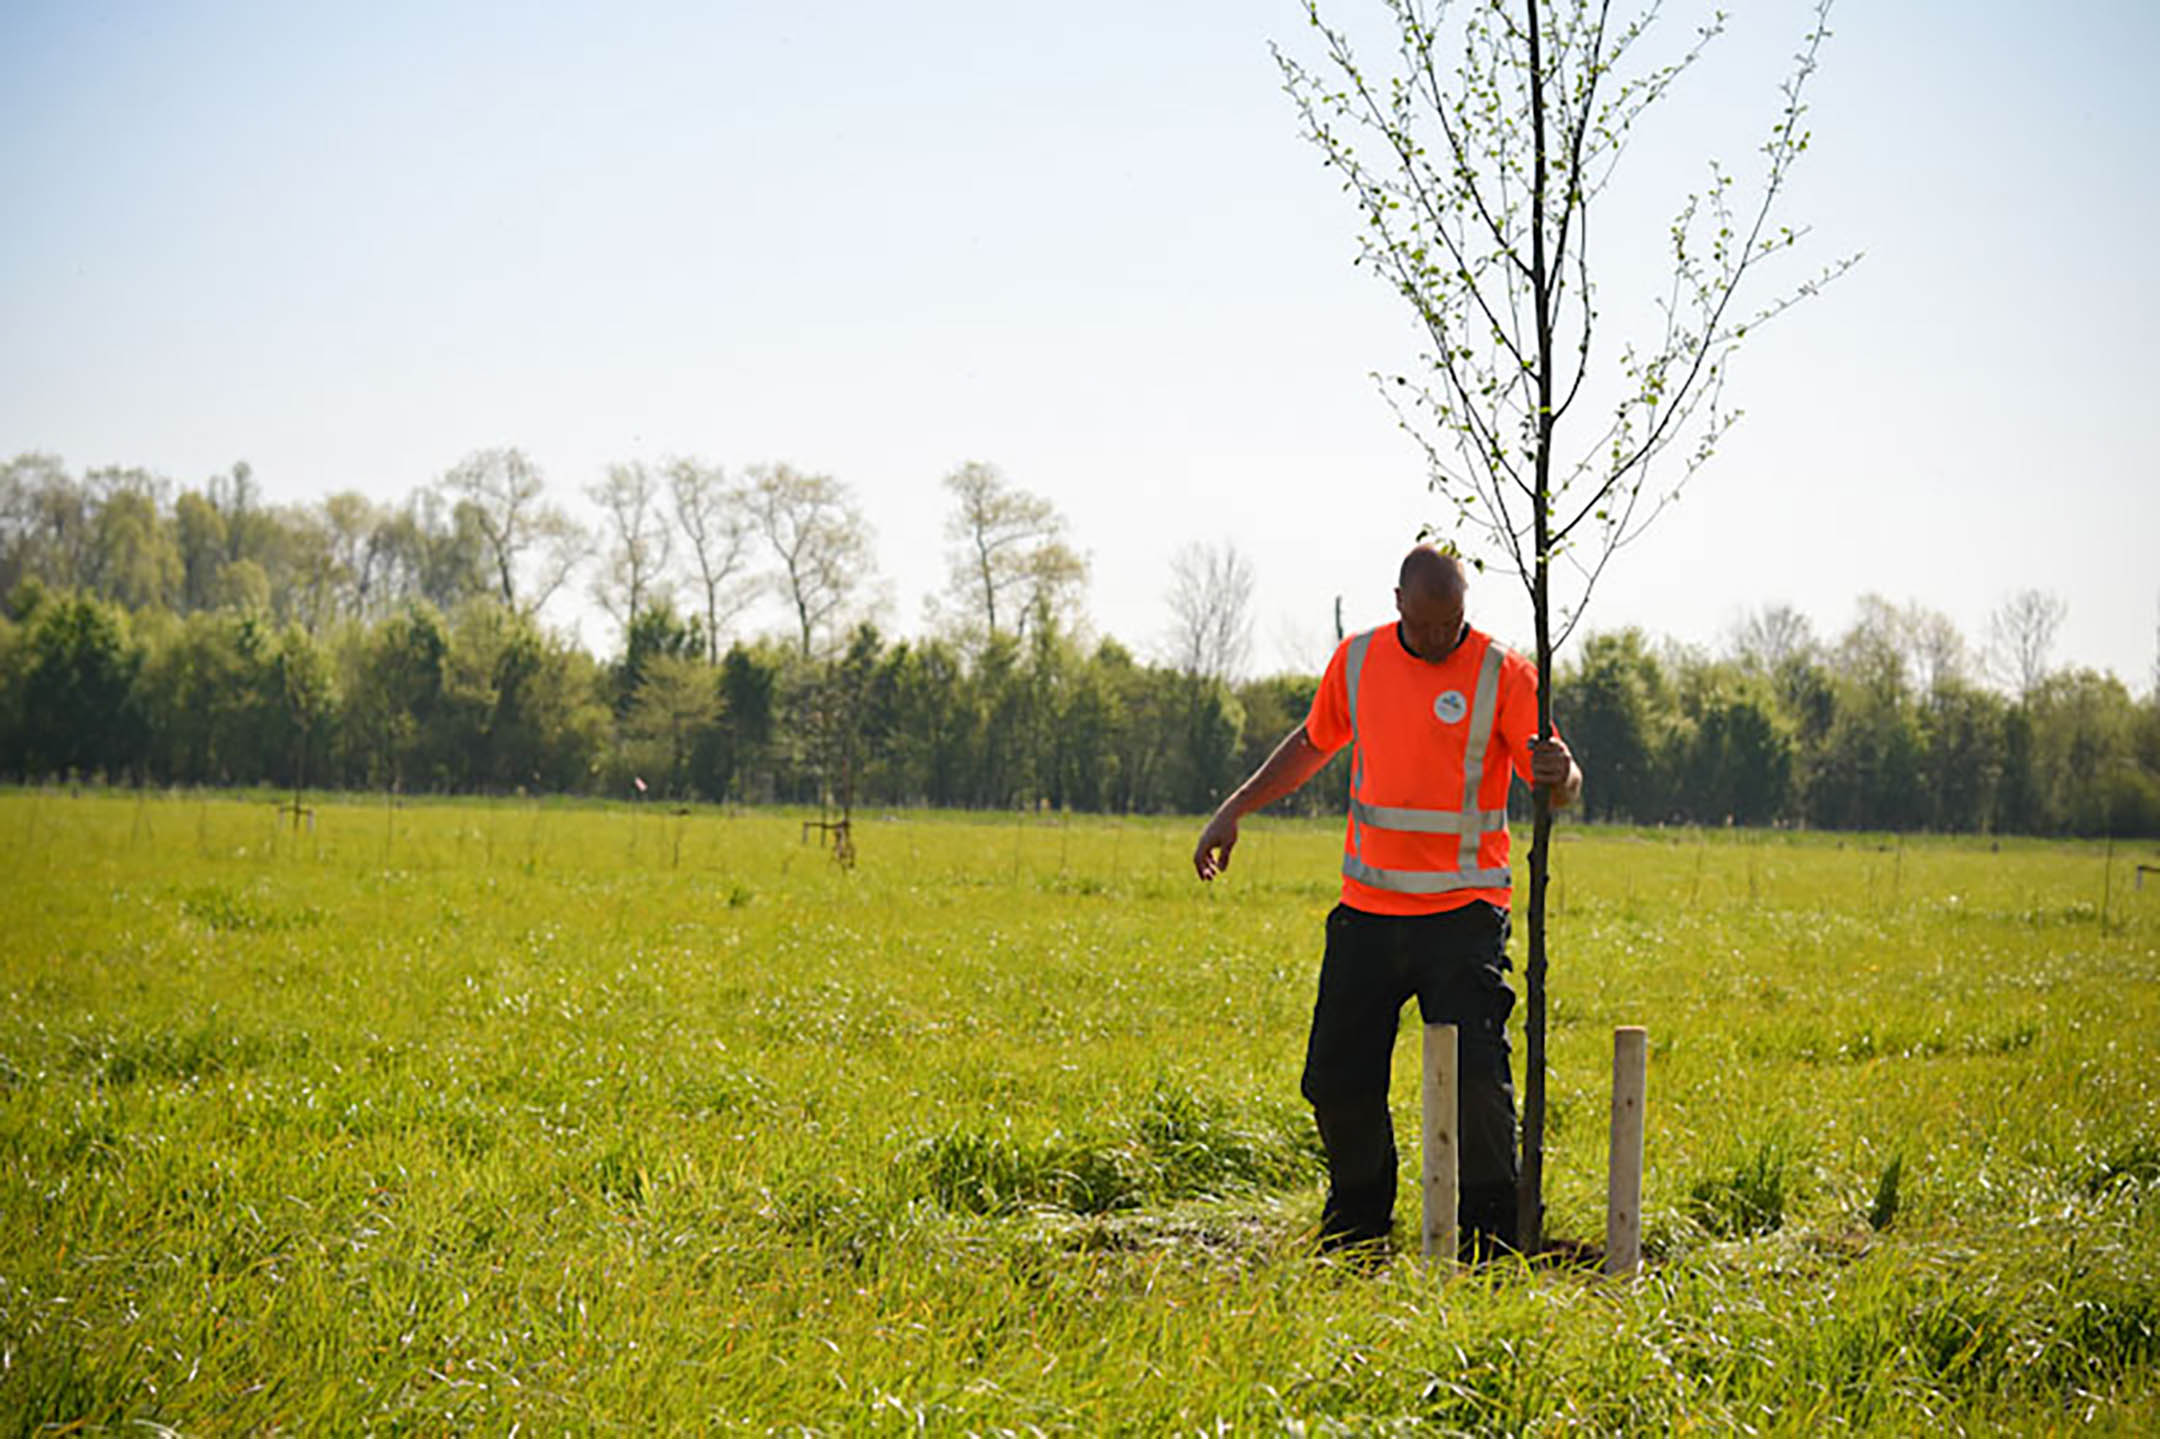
<point x="350" y="244"/>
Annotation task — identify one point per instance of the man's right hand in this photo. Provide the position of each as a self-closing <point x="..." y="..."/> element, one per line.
<point x="1212" y="856"/>
<point x="1294" y="761"/>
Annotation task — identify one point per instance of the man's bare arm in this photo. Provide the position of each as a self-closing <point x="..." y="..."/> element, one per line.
<point x="1296" y="760"/>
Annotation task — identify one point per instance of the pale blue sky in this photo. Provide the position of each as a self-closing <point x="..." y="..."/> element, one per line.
<point x="1085" y="243"/>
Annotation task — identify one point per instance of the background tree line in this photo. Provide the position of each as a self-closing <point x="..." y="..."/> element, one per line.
<point x="1897" y="724"/>
<point x="204" y="637"/>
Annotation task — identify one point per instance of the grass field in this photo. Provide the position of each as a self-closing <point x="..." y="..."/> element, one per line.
<point x="515" y="1116"/>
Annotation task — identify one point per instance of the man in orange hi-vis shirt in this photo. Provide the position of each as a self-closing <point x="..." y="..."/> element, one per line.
<point x="1439" y="718"/>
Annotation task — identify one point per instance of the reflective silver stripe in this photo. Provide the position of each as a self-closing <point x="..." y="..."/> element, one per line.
<point x="1354" y="665"/>
<point x="1482" y="713"/>
<point x="1353" y="669"/>
<point x="1423" y="881"/>
<point x="1429" y="821"/>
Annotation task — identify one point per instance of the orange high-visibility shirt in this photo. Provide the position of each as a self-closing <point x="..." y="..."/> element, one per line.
<point x="1415" y="842"/>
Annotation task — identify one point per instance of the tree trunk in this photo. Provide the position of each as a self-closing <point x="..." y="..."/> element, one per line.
<point x="1530" y="1196"/>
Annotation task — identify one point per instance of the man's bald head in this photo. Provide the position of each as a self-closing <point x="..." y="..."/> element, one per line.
<point x="1428" y="569"/>
<point x="1429" y="593"/>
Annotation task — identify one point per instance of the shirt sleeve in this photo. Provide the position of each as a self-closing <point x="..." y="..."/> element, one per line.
<point x="1328" y="724"/>
<point x="1518" y="711"/>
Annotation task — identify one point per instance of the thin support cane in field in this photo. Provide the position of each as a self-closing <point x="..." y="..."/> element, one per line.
<point x="1443" y="1108"/>
<point x="1624" y="1171"/>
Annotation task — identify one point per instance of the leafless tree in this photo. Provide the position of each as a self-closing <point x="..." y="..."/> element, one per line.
<point x="1935" y="648"/>
<point x="361" y="535"/>
<point x="433" y="550"/>
<point x="44" y="522"/>
<point x="504" y="496"/>
<point x="133" y="556"/>
<point x="820" y="541"/>
<point x="715" y="519"/>
<point x="637" y="538"/>
<point x="2021" y="637"/>
<point x="239" y="500"/>
<point x="1766" y="639"/>
<point x="1009" y="558"/>
<point x="1210" y="598"/>
<point x="1055" y="577"/>
<point x="1902" y="643"/>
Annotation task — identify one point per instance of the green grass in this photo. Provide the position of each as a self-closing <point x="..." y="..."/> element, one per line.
<point x="473" y="1116"/>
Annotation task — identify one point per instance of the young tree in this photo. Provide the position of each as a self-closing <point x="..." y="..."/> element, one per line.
<point x="716" y="522"/>
<point x="1476" y="165"/>
<point x="638" y="540"/>
<point x="820" y="540"/>
<point x="1009" y="558"/>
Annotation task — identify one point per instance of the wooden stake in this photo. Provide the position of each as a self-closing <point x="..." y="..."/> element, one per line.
<point x="1443" y="1107"/>
<point x="1624" y="1172"/>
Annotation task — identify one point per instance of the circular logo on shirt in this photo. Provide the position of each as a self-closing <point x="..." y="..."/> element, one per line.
<point x="1450" y="707"/>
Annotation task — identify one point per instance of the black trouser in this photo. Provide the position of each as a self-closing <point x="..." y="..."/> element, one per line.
<point x="1455" y="962"/>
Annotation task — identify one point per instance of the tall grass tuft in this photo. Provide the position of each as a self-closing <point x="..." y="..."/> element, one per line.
<point x="1748" y="1197"/>
<point x="1882" y="1213"/>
